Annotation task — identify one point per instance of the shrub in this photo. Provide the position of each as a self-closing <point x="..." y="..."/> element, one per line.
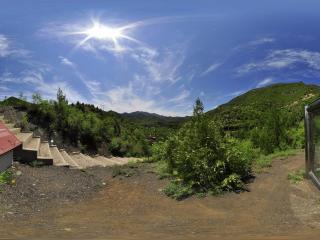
<point x="177" y="190"/>
<point x="202" y="158"/>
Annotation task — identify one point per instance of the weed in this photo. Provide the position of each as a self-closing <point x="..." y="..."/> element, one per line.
<point x="265" y="161"/>
<point x="120" y="171"/>
<point x="177" y="190"/>
<point x="6" y="177"/>
<point x="296" y="176"/>
<point x="201" y="195"/>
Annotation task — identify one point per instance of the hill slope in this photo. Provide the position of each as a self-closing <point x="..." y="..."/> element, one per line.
<point x="245" y="111"/>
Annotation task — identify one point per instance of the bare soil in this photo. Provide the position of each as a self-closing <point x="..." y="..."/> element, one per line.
<point x="96" y="205"/>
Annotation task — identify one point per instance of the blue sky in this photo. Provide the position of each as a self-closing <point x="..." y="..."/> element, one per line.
<point x="156" y="56"/>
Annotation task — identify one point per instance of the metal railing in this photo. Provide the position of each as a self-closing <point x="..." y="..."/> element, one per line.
<point x="312" y="132"/>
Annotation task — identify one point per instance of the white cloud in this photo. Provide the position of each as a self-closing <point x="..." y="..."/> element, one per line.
<point x="4" y="46"/>
<point x="210" y="69"/>
<point x="279" y="59"/>
<point x="265" y="82"/>
<point x="160" y="67"/>
<point x="8" y="49"/>
<point x="261" y="41"/>
<point x="34" y="80"/>
<point x="126" y="99"/>
<point x="181" y="97"/>
<point x="236" y="93"/>
<point x="66" y="61"/>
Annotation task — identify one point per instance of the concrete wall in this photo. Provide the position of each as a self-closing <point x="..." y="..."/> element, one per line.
<point x="6" y="160"/>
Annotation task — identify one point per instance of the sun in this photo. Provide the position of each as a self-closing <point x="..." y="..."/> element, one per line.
<point x="102" y="32"/>
<point x="98" y="31"/>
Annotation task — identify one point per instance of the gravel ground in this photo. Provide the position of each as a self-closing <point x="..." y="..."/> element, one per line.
<point x="34" y="189"/>
<point x="127" y="203"/>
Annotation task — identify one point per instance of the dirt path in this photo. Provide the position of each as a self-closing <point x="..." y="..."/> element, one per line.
<point x="135" y="208"/>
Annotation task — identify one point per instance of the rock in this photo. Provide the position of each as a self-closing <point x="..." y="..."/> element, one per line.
<point x="18" y="173"/>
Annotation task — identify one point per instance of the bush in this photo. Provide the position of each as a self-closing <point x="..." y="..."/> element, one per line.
<point x="203" y="158"/>
<point x="177" y="190"/>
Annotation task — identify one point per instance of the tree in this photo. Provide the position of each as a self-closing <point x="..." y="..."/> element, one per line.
<point x="61" y="97"/>
<point x="201" y="157"/>
<point x="36" y="98"/>
<point x="22" y="96"/>
<point x="198" y="108"/>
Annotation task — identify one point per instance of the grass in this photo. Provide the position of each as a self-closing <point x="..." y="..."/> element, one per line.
<point x="265" y="161"/>
<point x="177" y="190"/>
<point x="296" y="176"/>
<point x="6" y="177"/>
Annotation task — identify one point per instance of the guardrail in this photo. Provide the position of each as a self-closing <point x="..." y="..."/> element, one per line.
<point x="312" y="148"/>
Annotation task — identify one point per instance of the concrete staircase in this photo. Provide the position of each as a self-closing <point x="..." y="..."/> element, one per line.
<point x="33" y="149"/>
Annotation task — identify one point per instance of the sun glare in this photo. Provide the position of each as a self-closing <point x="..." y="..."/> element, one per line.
<point x="100" y="31"/>
<point x="103" y="33"/>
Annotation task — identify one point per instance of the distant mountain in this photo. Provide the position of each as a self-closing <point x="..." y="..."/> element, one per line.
<point x="139" y="117"/>
<point x="141" y="114"/>
<point x="245" y="110"/>
<point x="153" y="119"/>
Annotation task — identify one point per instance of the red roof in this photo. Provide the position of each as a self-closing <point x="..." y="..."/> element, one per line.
<point x="8" y="140"/>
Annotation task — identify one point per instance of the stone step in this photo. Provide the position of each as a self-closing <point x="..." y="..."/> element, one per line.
<point x="58" y="159"/>
<point x="15" y="130"/>
<point x="32" y="145"/>
<point x="122" y="161"/>
<point x="91" y="161"/>
<point x="79" y="160"/>
<point x="44" y="151"/>
<point x="24" y="137"/>
<point x="9" y="125"/>
<point x="3" y="120"/>
<point x="69" y="160"/>
<point x="83" y="160"/>
<point x="106" y="161"/>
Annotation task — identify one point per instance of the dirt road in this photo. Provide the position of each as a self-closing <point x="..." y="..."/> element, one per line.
<point x="135" y="208"/>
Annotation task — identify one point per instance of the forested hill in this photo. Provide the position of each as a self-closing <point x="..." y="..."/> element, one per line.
<point x="277" y="108"/>
<point x="246" y="111"/>
<point x="89" y="128"/>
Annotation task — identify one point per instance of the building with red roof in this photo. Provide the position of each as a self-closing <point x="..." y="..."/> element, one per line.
<point x="8" y="142"/>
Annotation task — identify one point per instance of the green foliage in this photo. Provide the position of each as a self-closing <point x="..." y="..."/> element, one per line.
<point x="272" y="117"/>
<point x="202" y="158"/>
<point x="6" y="177"/>
<point x="264" y="161"/>
<point x="296" y="176"/>
<point x="91" y="129"/>
<point x="240" y="156"/>
<point x="177" y="190"/>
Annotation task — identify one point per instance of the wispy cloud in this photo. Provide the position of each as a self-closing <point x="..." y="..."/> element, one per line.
<point x="180" y="97"/>
<point x="210" y="69"/>
<point x="279" y="59"/>
<point x="235" y="94"/>
<point x="265" y="82"/>
<point x="66" y="61"/>
<point x="126" y="99"/>
<point x="261" y="41"/>
<point x="160" y="67"/>
<point x="34" y="80"/>
<point x="8" y="49"/>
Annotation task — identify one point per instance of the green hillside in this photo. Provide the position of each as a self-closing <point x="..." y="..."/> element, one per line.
<point x="246" y="111"/>
<point x="88" y="128"/>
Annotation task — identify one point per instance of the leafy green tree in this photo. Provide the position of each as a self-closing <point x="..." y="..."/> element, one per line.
<point x="201" y="157"/>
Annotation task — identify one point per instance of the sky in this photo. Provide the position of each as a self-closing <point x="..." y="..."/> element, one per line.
<point x="156" y="56"/>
